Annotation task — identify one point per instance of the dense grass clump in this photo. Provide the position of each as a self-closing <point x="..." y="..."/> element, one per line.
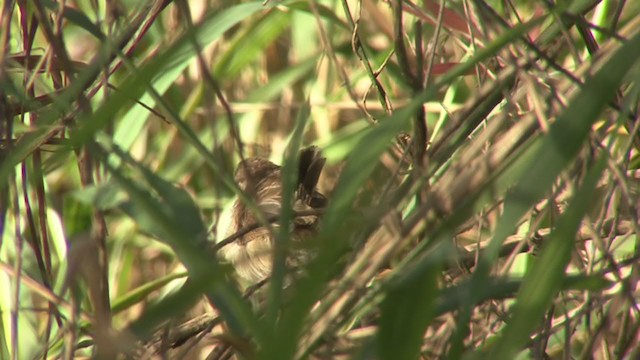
<point x="482" y="176"/>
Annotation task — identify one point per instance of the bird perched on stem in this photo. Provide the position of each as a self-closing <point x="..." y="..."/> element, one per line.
<point x="252" y="253"/>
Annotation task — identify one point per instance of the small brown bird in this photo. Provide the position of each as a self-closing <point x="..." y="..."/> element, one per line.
<point x="260" y="179"/>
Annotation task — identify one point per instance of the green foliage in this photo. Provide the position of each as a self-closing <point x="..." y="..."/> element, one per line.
<point x="121" y="124"/>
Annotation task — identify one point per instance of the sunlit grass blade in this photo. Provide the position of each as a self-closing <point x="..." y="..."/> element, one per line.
<point x="559" y="147"/>
<point x="141" y="293"/>
<point x="187" y="240"/>
<point x="547" y="273"/>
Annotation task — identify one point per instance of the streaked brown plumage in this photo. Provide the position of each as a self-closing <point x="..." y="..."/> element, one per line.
<point x="251" y="254"/>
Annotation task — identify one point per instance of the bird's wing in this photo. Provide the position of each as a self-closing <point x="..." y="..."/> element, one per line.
<point x="269" y="196"/>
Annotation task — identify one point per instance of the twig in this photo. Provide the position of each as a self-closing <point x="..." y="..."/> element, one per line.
<point x="272" y="219"/>
<point x="326" y="43"/>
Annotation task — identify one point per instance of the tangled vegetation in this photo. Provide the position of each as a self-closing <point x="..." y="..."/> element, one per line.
<point x="482" y="176"/>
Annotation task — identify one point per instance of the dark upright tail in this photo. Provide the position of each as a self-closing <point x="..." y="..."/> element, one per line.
<point x="310" y="167"/>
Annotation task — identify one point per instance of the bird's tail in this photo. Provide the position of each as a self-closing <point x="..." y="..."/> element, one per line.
<point x="309" y="170"/>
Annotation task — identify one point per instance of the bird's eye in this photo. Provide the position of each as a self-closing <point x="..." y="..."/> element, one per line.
<point x="318" y="201"/>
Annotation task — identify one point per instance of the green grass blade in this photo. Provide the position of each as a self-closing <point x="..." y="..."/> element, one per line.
<point x="545" y="277"/>
<point x="141" y="293"/>
<point x="405" y="314"/>
<point x="565" y="138"/>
